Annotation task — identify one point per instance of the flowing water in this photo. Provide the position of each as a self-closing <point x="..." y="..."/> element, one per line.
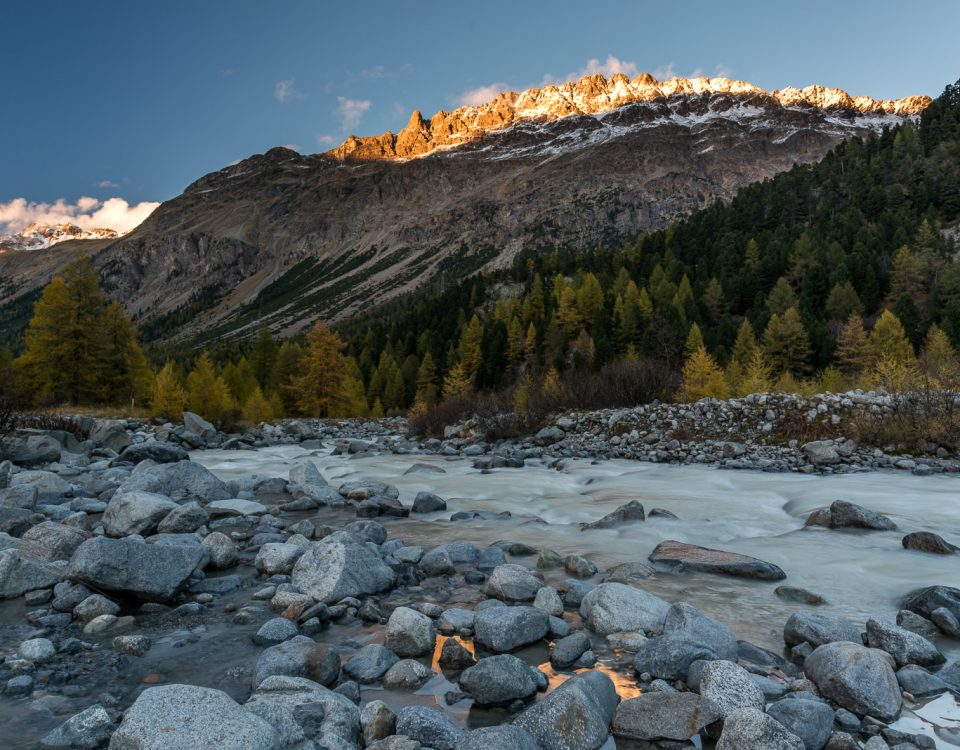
<point x="860" y="573"/>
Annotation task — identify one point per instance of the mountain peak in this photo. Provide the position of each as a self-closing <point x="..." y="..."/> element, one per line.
<point x="596" y="95"/>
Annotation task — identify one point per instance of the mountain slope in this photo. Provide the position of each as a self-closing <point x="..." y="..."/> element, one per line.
<point x="282" y="238"/>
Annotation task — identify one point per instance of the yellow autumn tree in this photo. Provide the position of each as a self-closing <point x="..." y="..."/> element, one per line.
<point x="757" y="375"/>
<point x="888" y="340"/>
<point x="320" y="388"/>
<point x="702" y="378"/>
<point x="257" y="409"/>
<point x="457" y="383"/>
<point x="939" y="359"/>
<point x="207" y="394"/>
<point x="169" y="398"/>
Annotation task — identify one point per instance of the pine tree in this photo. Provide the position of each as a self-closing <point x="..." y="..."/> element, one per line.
<point x="240" y="379"/>
<point x="169" y="398"/>
<point x="906" y="274"/>
<point x="854" y="354"/>
<point x="427" y="380"/>
<point x="694" y="340"/>
<point x="320" y="389"/>
<point x="263" y="357"/>
<point x="124" y="376"/>
<point x="752" y="254"/>
<point x="207" y="394"/>
<point x="888" y="340"/>
<point x="515" y="340"/>
<point x="702" y="378"/>
<point x="714" y="301"/>
<point x="355" y="402"/>
<point x="257" y="409"/>
<point x="470" y="349"/>
<point x="530" y="347"/>
<point x="64" y="343"/>
<point x="843" y="301"/>
<point x="289" y="359"/>
<point x="782" y="297"/>
<point x="746" y="343"/>
<point x="786" y="344"/>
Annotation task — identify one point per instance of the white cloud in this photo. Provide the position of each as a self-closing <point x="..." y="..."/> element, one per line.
<point x="86" y="213"/>
<point x="609" y="67"/>
<point x="482" y="94"/>
<point x="325" y="139"/>
<point x="351" y="111"/>
<point x="285" y="91"/>
<point x="666" y="72"/>
<point x="107" y="184"/>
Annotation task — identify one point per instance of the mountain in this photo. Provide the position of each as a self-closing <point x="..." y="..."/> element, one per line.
<point x="41" y="236"/>
<point x="282" y="239"/>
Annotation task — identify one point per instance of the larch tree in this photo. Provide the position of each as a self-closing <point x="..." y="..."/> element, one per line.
<point x="757" y="376"/>
<point x="714" y="301"/>
<point x="786" y="343"/>
<point x="782" y="297"/>
<point x="940" y="359"/>
<point x="289" y="359"/>
<point x="319" y="389"/>
<point x="702" y="378"/>
<point x="694" y="340"/>
<point x="470" y="348"/>
<point x="854" y="354"/>
<point x="207" y="394"/>
<point x="888" y="340"/>
<point x="169" y="397"/>
<point x="843" y="301"/>
<point x="125" y="376"/>
<point x="257" y="409"/>
<point x="427" y="380"/>
<point x="263" y="357"/>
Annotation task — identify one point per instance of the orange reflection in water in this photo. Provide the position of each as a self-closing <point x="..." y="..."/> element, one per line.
<point x="626" y="687"/>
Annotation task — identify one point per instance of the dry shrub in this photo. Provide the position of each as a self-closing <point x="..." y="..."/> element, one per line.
<point x="915" y="420"/>
<point x="793" y="424"/>
<point x="53" y="420"/>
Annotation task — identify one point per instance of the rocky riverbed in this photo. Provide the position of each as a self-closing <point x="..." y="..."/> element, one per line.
<point x="314" y="585"/>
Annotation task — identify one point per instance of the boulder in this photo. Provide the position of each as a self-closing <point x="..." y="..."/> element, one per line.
<point x="50" y="487"/>
<point x="427" y="502"/>
<point x="512" y="583"/>
<point x="20" y="574"/>
<point x="186" y="717"/>
<point x="858" y="678"/>
<point x="454" y="655"/>
<point x="629" y="572"/>
<point x="752" y="729"/>
<point x="22" y="496"/>
<point x="301" y="710"/>
<point x="726" y="687"/>
<point x="181" y="481"/>
<point x="924" y="601"/>
<point x="339" y="566"/>
<point x="927" y="541"/>
<point x="183" y="519"/>
<point x="370" y="663"/>
<point x="903" y="645"/>
<point x="110" y="434"/>
<point x="821" y="452"/>
<point x="359" y="491"/>
<point x="33" y="451"/>
<point x="221" y="549"/>
<point x="88" y="730"/>
<point x="306" y="472"/>
<point x="920" y="683"/>
<point x="406" y="674"/>
<point x="135" y="513"/>
<point x="377" y="721"/>
<point x="632" y="511"/>
<point x="298" y="657"/>
<point x="277" y="557"/>
<point x="811" y="720"/>
<point x="499" y="680"/>
<point x="614" y="607"/>
<point x="575" y="716"/>
<point x="428" y="726"/>
<point x="566" y="651"/>
<point x="549" y="601"/>
<point x="705" y="560"/>
<point x="504" y="736"/>
<point x="817" y="629"/>
<point x="502" y="629"/>
<point x="275" y="630"/>
<point x="844" y="515"/>
<point x="17" y="520"/>
<point x="688" y="636"/>
<point x="155" y="451"/>
<point x="410" y="633"/>
<point x="654" y="716"/>
<point x="199" y="426"/>
<point x="50" y="541"/>
<point x="146" y="571"/>
<point x="236" y="506"/>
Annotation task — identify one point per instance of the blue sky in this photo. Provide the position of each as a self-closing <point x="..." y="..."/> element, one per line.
<point x="136" y="100"/>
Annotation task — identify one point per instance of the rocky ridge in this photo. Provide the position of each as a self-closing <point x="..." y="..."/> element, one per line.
<point x="41" y="236"/>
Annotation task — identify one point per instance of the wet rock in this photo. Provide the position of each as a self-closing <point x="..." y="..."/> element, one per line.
<point x="920" y="683"/>
<point x="183" y="519"/>
<point x="454" y="655"/>
<point x="277" y="558"/>
<point x="94" y="606"/>
<point x="182" y="717"/>
<point x="502" y="629"/>
<point x="339" y="566"/>
<point x="661" y="715"/>
<point x="499" y="680"/>
<point x="923" y="601"/>
<point x="306" y="472"/>
<point x="221" y="549"/>
<point x="726" y="687"/>
<point x="810" y="720"/>
<point x="454" y="620"/>
<point x="88" y="730"/>
<point x="549" y="601"/>
<point x="566" y="651"/>
<point x="381" y="505"/>
<point x="575" y="716"/>
<point x="235" y="507"/>
<point x="926" y="541"/>
<point x="629" y="572"/>
<point x="360" y="491"/>
<point x="152" y="450"/>
<point x="751" y="729"/>
<point x="860" y="679"/>
<point x="705" y="560"/>
<point x="904" y="646"/>
<point x="429" y="727"/>
<point x="300" y="710"/>
<point x="817" y="629"/>
<point x="370" y="663"/>
<point x="298" y="657"/>
<point x="512" y="583"/>
<point x="182" y="481"/>
<point x="377" y="721"/>
<point x="801" y="596"/>
<point x="844" y="515"/>
<point x="410" y="633"/>
<point x="275" y="630"/>
<point x="132" y="645"/>
<point x="504" y="736"/>
<point x="632" y="511"/>
<point x="406" y="674"/>
<point x="579" y="566"/>
<point x="947" y="622"/>
<point x="148" y="571"/>
<point x="688" y="636"/>
<point x="37" y="650"/>
<point x="548" y="559"/>
<point x="427" y="502"/>
<point x="50" y="541"/>
<point x="614" y="607"/>
<point x="19" y="685"/>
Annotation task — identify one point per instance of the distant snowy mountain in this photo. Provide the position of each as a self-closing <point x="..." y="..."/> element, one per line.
<point x="41" y="236"/>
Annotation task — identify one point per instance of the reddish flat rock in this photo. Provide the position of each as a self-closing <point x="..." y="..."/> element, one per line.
<point x="703" y="559"/>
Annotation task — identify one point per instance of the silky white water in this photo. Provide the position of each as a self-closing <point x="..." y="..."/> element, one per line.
<point x="861" y="574"/>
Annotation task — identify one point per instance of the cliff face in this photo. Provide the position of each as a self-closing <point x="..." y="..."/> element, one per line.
<point x="282" y="239"/>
